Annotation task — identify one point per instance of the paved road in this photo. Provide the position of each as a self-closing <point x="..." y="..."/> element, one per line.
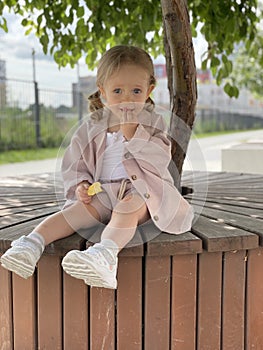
<point x="203" y="154"/>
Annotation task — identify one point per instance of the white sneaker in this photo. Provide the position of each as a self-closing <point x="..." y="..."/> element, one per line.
<point x="96" y="266"/>
<point x="22" y="257"/>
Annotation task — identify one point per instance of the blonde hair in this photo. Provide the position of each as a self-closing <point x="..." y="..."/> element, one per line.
<point x="111" y="62"/>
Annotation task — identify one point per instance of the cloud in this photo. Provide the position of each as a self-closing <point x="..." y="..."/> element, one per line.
<point x="16" y="44"/>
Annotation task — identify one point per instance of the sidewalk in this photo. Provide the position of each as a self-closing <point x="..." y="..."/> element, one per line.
<point x="32" y="167"/>
<point x="203" y="154"/>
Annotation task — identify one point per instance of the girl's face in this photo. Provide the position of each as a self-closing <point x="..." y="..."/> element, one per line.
<point x="127" y="90"/>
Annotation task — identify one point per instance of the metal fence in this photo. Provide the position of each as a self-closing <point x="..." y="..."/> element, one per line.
<point x="31" y="117"/>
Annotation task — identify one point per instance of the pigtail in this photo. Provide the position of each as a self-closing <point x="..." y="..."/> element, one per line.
<point x="95" y="102"/>
<point x="150" y="104"/>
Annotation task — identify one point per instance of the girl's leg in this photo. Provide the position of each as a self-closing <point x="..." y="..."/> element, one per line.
<point x="97" y="265"/>
<point x="25" y="252"/>
<point x="67" y="221"/>
<point x="125" y="218"/>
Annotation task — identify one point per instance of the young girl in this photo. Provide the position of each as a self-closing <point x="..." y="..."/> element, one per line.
<point x="124" y="145"/>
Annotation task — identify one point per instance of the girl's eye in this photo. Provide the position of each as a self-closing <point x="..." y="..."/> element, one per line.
<point x="117" y="91"/>
<point x="137" y="91"/>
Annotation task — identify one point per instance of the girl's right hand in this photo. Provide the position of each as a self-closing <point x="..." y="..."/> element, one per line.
<point x="82" y="193"/>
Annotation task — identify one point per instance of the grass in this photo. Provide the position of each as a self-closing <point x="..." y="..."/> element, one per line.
<point x="47" y="153"/>
<point x="218" y="133"/>
<point x="27" y="155"/>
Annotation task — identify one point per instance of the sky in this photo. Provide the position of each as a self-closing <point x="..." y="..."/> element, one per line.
<point x="16" y="50"/>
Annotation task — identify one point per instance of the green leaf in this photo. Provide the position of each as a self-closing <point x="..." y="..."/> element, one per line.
<point x="215" y="62"/>
<point x="44" y="40"/>
<point x="3" y="24"/>
<point x="24" y="22"/>
<point x="204" y="64"/>
<point x="80" y="11"/>
<point x="232" y="91"/>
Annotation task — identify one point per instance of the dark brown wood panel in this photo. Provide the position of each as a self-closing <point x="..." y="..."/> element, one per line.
<point x="157" y="303"/>
<point x="209" y="301"/>
<point x="50" y="303"/>
<point x="129" y="304"/>
<point x="102" y="319"/>
<point x="24" y="312"/>
<point x="6" y="315"/>
<point x="75" y="314"/>
<point x="183" y="303"/>
<point x="254" y="336"/>
<point x="233" y="300"/>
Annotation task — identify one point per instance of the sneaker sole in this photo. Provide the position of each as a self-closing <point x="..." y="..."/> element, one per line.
<point x="17" y="266"/>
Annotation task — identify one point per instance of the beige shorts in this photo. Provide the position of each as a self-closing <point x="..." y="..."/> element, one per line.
<point x="105" y="201"/>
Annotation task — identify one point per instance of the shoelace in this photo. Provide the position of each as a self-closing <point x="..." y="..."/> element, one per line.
<point x="105" y="252"/>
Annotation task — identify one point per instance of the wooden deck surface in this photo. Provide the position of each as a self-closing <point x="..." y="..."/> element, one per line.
<point x="201" y="290"/>
<point x="230" y="204"/>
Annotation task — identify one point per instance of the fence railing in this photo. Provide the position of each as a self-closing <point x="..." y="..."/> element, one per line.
<point x="31" y="117"/>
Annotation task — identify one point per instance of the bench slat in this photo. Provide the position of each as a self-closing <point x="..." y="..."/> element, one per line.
<point x="247" y="223"/>
<point x="223" y="237"/>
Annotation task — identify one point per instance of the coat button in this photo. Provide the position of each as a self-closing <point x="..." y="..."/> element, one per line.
<point x="134" y="177"/>
<point x="147" y="195"/>
<point x="156" y="217"/>
<point x="127" y="155"/>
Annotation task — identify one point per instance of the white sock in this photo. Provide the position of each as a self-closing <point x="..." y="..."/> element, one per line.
<point x="37" y="237"/>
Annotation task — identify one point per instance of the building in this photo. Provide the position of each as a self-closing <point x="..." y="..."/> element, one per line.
<point x="81" y="91"/>
<point x="210" y="95"/>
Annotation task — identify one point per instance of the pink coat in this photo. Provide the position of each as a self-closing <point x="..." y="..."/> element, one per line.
<point x="146" y="158"/>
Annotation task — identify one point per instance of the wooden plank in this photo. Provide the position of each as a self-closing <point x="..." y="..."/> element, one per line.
<point x="49" y="303"/>
<point x="183" y="303"/>
<point x="20" y="219"/>
<point x="6" y="323"/>
<point x="249" y="224"/>
<point x="8" y="235"/>
<point x="233" y="301"/>
<point x="161" y="243"/>
<point x="254" y="336"/>
<point x="24" y="312"/>
<point x="75" y="315"/>
<point x="14" y="218"/>
<point x="169" y="244"/>
<point x="218" y="236"/>
<point x="129" y="304"/>
<point x="157" y="303"/>
<point x="102" y="319"/>
<point x="209" y="301"/>
<point x="226" y="196"/>
<point x="241" y="208"/>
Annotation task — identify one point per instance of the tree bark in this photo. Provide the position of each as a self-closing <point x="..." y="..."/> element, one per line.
<point x="181" y="72"/>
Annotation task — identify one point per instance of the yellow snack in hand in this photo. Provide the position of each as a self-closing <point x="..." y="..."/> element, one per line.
<point x="94" y="189"/>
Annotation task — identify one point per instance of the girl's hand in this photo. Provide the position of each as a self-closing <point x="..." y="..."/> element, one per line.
<point x="129" y="123"/>
<point x="82" y="193"/>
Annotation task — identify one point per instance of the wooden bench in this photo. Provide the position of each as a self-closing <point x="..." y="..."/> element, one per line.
<point x="199" y="290"/>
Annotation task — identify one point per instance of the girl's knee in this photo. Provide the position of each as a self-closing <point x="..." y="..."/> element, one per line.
<point x="132" y="204"/>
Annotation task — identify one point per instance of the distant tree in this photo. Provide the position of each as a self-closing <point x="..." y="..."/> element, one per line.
<point x="247" y="70"/>
<point x="69" y="29"/>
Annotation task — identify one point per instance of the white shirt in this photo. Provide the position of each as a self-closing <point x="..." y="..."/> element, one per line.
<point x="112" y="167"/>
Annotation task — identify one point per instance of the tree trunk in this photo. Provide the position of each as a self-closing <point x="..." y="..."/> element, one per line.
<point x="181" y="72"/>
